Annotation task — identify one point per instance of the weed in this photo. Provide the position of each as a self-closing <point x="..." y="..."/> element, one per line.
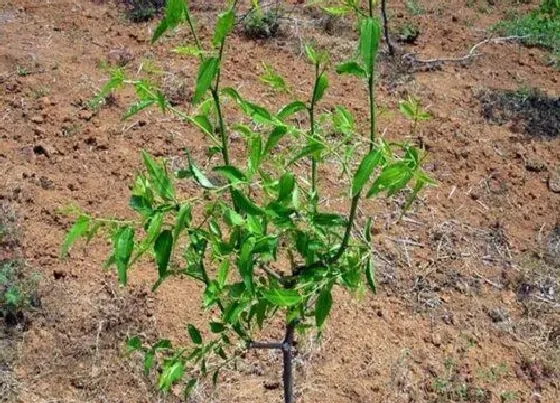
<point x="414" y="7"/>
<point x="143" y="10"/>
<point x="40" y="92"/>
<point x="258" y="238"/>
<point x="260" y="24"/>
<point x="509" y="396"/>
<point x="17" y="292"/>
<point x="408" y="33"/>
<point x="22" y="71"/>
<point x="541" y="27"/>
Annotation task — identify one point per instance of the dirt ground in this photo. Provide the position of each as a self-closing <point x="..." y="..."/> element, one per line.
<point x="469" y="282"/>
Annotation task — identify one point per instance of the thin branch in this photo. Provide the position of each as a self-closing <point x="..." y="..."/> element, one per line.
<point x="266" y="346"/>
<point x="472" y="53"/>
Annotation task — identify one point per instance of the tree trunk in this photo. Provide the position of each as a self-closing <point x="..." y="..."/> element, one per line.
<point x="288" y="355"/>
<point x="386" y="27"/>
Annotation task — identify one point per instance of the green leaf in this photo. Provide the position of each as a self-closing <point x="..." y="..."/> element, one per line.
<point x="329" y="220"/>
<point x="217" y="327"/>
<point x="224" y="26"/>
<point x="194" y="333"/>
<point x="78" y="230"/>
<point x="233" y="218"/>
<point x="323" y="306"/>
<point x="310" y="149"/>
<point x="232" y="173"/>
<point x="189" y="388"/>
<point x="124" y="245"/>
<point x="274" y="138"/>
<point x="392" y="179"/>
<point x="176" y="11"/>
<point x="320" y="87"/>
<point x="141" y="204"/>
<point x="149" y="358"/>
<point x="203" y="123"/>
<point x="162" y="344"/>
<point x="116" y="81"/>
<point x="367" y="229"/>
<point x="338" y="11"/>
<point x="370" y="276"/>
<point x="173" y="371"/>
<point x="408" y="108"/>
<point x="206" y="73"/>
<point x="311" y="54"/>
<point x="244" y="204"/>
<point x="137" y="107"/>
<point x="223" y="273"/>
<point x="258" y="113"/>
<point x="188" y="50"/>
<point x="370" y="34"/>
<point x="198" y="175"/>
<point x="162" y="248"/>
<point x="246" y="264"/>
<point x="182" y="221"/>
<point x="282" y="297"/>
<point x="273" y="79"/>
<point x="255" y="154"/>
<point x="133" y="344"/>
<point x="343" y="121"/>
<point x="352" y="68"/>
<point x="362" y="175"/>
<point x="152" y="232"/>
<point x="290" y="109"/>
<point x="158" y="175"/>
<point x="286" y="186"/>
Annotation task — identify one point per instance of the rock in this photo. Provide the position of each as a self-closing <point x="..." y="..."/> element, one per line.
<point x="535" y="165"/>
<point x="39" y="131"/>
<point x="271" y="385"/>
<point x="120" y="57"/>
<point x="498" y="315"/>
<point x="38" y="120"/>
<point x="44" y="149"/>
<point x="46" y="183"/>
<point x="554" y="181"/>
<point x="436" y="339"/>
<point x="85" y="114"/>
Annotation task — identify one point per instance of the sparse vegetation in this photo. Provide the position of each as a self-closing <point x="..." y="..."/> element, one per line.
<point x="261" y="23"/>
<point x="540" y="27"/>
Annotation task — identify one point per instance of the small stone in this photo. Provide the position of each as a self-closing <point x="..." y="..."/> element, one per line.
<point x="554" y="181"/>
<point x="39" y="131"/>
<point x="120" y="57"/>
<point x="38" y="120"/>
<point x="44" y="149"/>
<point x="85" y="114"/>
<point x="46" y="183"/>
<point x="271" y="385"/>
<point x="498" y="315"/>
<point x="436" y="339"/>
<point x="535" y="165"/>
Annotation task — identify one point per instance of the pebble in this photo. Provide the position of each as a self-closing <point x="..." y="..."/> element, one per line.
<point x="554" y="181"/>
<point x="37" y="119"/>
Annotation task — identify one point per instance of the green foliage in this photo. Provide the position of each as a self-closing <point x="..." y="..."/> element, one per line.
<point x="414" y="7"/>
<point x="273" y="79"/>
<point x="143" y="10"/>
<point x="16" y="289"/>
<point x="261" y="24"/>
<point x="541" y="27"/>
<point x="255" y="235"/>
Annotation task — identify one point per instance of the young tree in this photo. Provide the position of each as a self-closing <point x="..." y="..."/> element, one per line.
<point x="260" y="241"/>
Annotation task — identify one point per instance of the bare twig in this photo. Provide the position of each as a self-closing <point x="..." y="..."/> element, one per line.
<point x="472" y="53"/>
